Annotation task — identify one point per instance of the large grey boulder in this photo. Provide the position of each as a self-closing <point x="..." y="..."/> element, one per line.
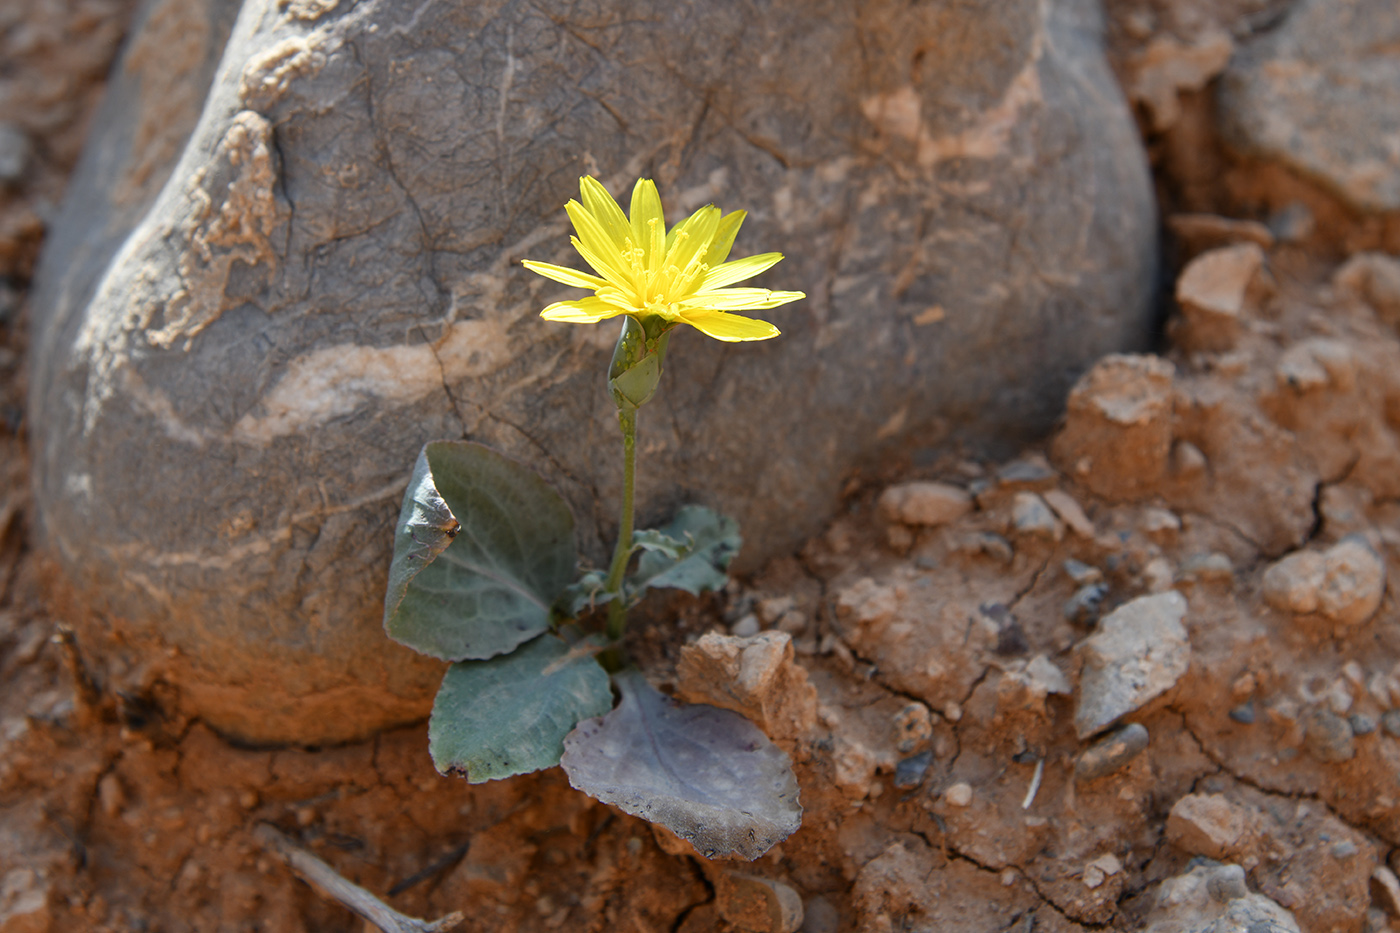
<point x="231" y="382"/>
<point x="1321" y="94"/>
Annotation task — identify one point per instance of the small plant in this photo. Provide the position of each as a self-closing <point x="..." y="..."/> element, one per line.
<point x="485" y="570"/>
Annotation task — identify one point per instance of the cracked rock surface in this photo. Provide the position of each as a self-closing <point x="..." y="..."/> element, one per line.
<point x="313" y="270"/>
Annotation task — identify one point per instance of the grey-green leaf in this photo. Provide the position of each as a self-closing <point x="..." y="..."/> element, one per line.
<point x="712" y="541"/>
<point x="652" y="540"/>
<point x="482" y="550"/>
<point x="509" y="715"/>
<point x="584" y="595"/>
<point x="705" y="773"/>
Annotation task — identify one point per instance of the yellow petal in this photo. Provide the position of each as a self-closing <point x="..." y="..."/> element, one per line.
<point x="699" y="232"/>
<point x="604" y="209"/>
<point x="738" y="270"/>
<point x="597" y="240"/>
<point x="646" y="207"/>
<point x="563" y="274"/>
<point x="737" y="299"/>
<point x="724" y="237"/>
<point x="600" y="263"/>
<point x="730" y="328"/>
<point x="581" y="311"/>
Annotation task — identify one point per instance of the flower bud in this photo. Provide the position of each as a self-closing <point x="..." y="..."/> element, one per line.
<point x="636" y="367"/>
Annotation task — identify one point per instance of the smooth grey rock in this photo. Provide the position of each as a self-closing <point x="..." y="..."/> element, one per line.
<point x="1111" y="752"/>
<point x="1138" y="652"/>
<point x="1327" y="736"/>
<point x="1321" y="94"/>
<point x="236" y="359"/>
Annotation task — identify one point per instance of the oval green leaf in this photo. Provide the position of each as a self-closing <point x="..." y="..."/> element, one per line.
<point x="482" y="549"/>
<point x="509" y="715"/>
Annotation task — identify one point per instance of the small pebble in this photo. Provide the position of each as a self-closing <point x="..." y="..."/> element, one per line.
<point x="1244" y="713"/>
<point x="1390" y="723"/>
<point x="1361" y="724"/>
<point x="1208" y="568"/>
<point x="1111" y="752"/>
<point x="910" y="771"/>
<point x="771" y="610"/>
<point x="913" y="727"/>
<point x="1327" y="736"/>
<point x="1344" y="849"/>
<point x="1032" y="471"/>
<point x="1085" y="605"/>
<point x="794" y="622"/>
<point x="1157" y="521"/>
<point x="1226" y="884"/>
<point x="1030" y="515"/>
<point x="746" y="627"/>
<point x="1082" y="573"/>
<point x="960" y="794"/>
<point x="991" y="544"/>
<point x="1187" y="459"/>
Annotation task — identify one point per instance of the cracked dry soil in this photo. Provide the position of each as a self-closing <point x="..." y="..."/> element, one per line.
<point x="922" y="663"/>
<point x="926" y="661"/>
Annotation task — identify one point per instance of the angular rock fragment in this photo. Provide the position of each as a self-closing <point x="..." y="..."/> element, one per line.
<point x="1207" y="824"/>
<point x="756" y="677"/>
<point x="1138" y="653"/>
<point x="1030" y="515"/>
<point x="1118" y="426"/>
<point x="1167" y="67"/>
<point x="1213" y="293"/>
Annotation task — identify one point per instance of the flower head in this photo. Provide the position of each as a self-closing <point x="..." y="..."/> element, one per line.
<point x="679" y="276"/>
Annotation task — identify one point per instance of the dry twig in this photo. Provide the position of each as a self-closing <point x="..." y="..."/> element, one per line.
<point x="329" y="882"/>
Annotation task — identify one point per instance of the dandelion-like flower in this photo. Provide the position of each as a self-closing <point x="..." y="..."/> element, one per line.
<point x="679" y="276"/>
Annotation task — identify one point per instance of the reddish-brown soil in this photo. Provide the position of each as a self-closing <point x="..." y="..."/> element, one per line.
<point x="1265" y="433"/>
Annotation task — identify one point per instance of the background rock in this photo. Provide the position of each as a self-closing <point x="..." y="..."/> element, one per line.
<point x="243" y="337"/>
<point x="1321" y="94"/>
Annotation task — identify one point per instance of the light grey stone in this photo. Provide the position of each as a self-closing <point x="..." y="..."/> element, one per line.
<point x="1138" y="652"/>
<point x="237" y="354"/>
<point x="1213" y="898"/>
<point x="1345" y="583"/>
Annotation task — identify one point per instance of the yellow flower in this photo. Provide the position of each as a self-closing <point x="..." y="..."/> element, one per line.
<point x="679" y="276"/>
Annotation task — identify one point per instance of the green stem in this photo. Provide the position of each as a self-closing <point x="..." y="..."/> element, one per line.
<point x="617" y="609"/>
